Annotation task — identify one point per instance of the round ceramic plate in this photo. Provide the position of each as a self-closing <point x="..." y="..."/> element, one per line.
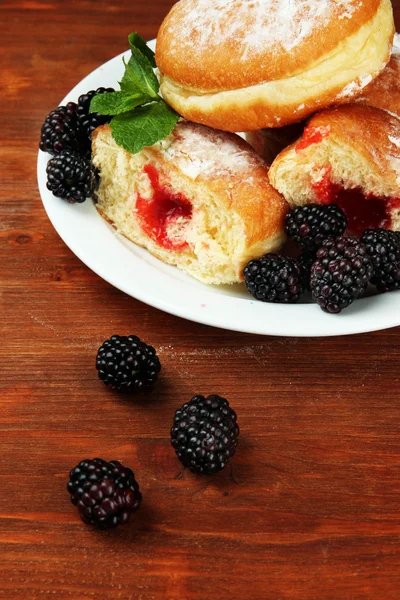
<point x="137" y="273"/>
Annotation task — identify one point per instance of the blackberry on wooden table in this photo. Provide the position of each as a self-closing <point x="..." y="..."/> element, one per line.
<point x="204" y="434"/>
<point x="105" y="493"/>
<point x="127" y="364"/>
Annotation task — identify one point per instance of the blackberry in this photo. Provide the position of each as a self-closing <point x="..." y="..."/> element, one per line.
<point x="127" y="364"/>
<point x="310" y="225"/>
<point x="204" y="434"/>
<point x="71" y="177"/>
<point x="60" y="130"/>
<point x="88" y="122"/>
<point x="340" y="273"/>
<point x="274" y="278"/>
<point x="306" y="261"/>
<point x="106" y="493"/>
<point x="383" y="247"/>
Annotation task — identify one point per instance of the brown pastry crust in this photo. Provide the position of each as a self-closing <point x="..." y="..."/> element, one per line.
<point x="356" y="146"/>
<point x="384" y="91"/>
<point x="246" y="65"/>
<point x="372" y="133"/>
<point x="200" y="163"/>
<point x="182" y="55"/>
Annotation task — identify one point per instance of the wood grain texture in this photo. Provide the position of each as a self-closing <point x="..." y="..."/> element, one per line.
<point x="310" y="507"/>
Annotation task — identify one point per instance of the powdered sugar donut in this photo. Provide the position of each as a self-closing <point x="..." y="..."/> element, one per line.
<point x="200" y="199"/>
<point x="247" y="64"/>
<point x="384" y="91"/>
<point x="349" y="156"/>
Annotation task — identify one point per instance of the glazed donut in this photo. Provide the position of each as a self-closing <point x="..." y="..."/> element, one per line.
<point x="349" y="156"/>
<point x="248" y="64"/>
<point x="200" y="199"/>
<point x="384" y="91"/>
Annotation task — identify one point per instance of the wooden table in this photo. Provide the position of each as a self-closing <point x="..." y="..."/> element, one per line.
<point x="309" y="509"/>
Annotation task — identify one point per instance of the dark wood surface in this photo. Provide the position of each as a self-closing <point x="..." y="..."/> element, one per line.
<point x="310" y="507"/>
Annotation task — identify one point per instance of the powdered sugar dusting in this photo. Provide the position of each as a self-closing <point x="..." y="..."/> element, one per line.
<point x="282" y="24"/>
<point x="354" y="87"/>
<point x="396" y="44"/>
<point x="395" y="140"/>
<point x="199" y="150"/>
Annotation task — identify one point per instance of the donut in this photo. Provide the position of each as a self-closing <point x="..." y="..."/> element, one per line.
<point x="350" y="156"/>
<point x="200" y="200"/>
<point x="384" y="91"/>
<point x="248" y="64"/>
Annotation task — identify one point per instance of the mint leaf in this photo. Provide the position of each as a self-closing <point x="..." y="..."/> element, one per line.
<point x="135" y="41"/>
<point x="115" y="103"/>
<point x="144" y="126"/>
<point x="139" y="77"/>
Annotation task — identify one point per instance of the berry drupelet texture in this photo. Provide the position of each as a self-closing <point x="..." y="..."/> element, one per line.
<point x="71" y="177"/>
<point x="60" y="130"/>
<point x="309" y="225"/>
<point x="127" y="364"/>
<point x="105" y="493"/>
<point x="274" y="278"/>
<point x="306" y="261"/>
<point x="204" y="434"/>
<point x="340" y="273"/>
<point x="383" y="247"/>
<point x="88" y="121"/>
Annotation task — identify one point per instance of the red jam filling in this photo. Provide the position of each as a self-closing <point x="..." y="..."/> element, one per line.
<point x="163" y="209"/>
<point x="312" y="135"/>
<point x="362" y="212"/>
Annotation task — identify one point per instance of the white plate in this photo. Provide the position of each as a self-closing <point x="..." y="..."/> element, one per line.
<point x="137" y="273"/>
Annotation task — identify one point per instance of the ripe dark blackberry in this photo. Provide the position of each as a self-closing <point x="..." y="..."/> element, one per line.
<point x="60" y="130"/>
<point x="88" y="122"/>
<point x="106" y="493"/>
<point x="384" y="249"/>
<point x="127" y="364"/>
<point x="274" y="278"/>
<point x="71" y="177"/>
<point x="310" y="225"/>
<point x="306" y="261"/>
<point x="204" y="434"/>
<point x="340" y="273"/>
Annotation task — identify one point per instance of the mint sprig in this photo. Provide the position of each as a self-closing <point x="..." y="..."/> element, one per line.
<point x="141" y="118"/>
<point x="115" y="103"/>
<point x="143" y="127"/>
<point x="135" y="41"/>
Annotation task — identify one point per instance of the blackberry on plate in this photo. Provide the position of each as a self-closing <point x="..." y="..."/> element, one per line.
<point x="383" y="247"/>
<point x="340" y="273"/>
<point x="309" y="225"/>
<point x="60" y="130"/>
<point x="71" y="177"/>
<point x="127" y="364"/>
<point x="106" y="493"/>
<point x="88" y="122"/>
<point x="274" y="278"/>
<point x="204" y="434"/>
